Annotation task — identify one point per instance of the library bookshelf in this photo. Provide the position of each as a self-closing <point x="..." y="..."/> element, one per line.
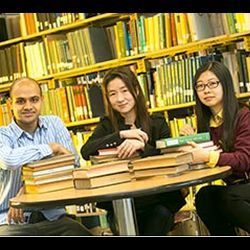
<point x="165" y="49"/>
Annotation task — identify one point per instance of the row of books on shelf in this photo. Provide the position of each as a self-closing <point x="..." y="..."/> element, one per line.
<point x="13" y="25"/>
<point x="164" y="30"/>
<point x="89" y="45"/>
<point x="171" y="80"/>
<point x="74" y="102"/>
<point x="55" y="53"/>
<point x="71" y="103"/>
<point x="152" y="32"/>
<point x="32" y="23"/>
<point x="176" y="124"/>
<point x="9" y="26"/>
<point x="167" y="81"/>
<point x="173" y="28"/>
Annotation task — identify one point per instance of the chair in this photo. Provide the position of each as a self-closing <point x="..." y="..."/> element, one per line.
<point x="188" y="223"/>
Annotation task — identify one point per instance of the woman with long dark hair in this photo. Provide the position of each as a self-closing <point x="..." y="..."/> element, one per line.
<point x="130" y="128"/>
<point x="222" y="208"/>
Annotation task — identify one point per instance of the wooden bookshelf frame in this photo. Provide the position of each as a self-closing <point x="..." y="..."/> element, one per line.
<point x="138" y="59"/>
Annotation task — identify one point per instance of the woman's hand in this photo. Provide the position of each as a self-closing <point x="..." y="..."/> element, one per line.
<point x="134" y="134"/>
<point x="186" y="130"/>
<point x="199" y="154"/>
<point x="129" y="147"/>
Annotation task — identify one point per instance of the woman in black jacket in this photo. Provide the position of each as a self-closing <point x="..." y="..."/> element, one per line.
<point x="130" y="128"/>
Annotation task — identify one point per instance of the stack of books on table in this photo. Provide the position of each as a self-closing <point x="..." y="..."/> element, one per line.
<point x="100" y="175"/>
<point x="49" y="174"/>
<point x="120" y="171"/>
<point x="167" y="164"/>
<point x="180" y="144"/>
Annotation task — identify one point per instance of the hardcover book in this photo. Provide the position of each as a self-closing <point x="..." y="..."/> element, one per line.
<point x="49" y="162"/>
<point x="108" y="151"/>
<point x="160" y="171"/>
<point x="182" y="140"/>
<point x="166" y="160"/>
<point x="208" y="145"/>
<point x="46" y="173"/>
<point x="102" y="169"/>
<point x="109" y="154"/>
<point x="101" y="181"/>
<point x="102" y="175"/>
<point x="49" y="187"/>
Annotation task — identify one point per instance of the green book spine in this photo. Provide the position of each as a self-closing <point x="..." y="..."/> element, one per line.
<point x="182" y="140"/>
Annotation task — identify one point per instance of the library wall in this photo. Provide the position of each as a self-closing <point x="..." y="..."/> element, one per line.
<point x="68" y="53"/>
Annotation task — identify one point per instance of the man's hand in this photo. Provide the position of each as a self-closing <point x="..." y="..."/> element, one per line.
<point x="16" y="214"/>
<point x="129" y="147"/>
<point x="58" y="149"/>
<point x="134" y="134"/>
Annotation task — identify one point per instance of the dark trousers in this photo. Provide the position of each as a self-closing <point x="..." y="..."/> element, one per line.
<point x="222" y="208"/>
<point x="154" y="213"/>
<point x="40" y="226"/>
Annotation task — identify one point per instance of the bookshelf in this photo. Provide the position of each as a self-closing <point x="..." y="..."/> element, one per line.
<point x="157" y="44"/>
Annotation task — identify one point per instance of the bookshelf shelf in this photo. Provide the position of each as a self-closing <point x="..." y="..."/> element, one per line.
<point x="197" y="46"/>
<point x="98" y="67"/>
<point x="143" y="55"/>
<point x="5" y="87"/>
<point x="83" y="122"/>
<point x="66" y="27"/>
<point x="243" y="95"/>
<point x="171" y="107"/>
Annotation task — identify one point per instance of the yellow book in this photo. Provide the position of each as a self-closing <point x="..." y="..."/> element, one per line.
<point x="168" y="30"/>
<point x="49" y="187"/>
<point x="23" y="24"/>
<point x="70" y="103"/>
<point x="160" y="171"/>
<point x="102" y="181"/>
<point x="177" y="19"/>
<point x="155" y="38"/>
<point x="184" y="28"/>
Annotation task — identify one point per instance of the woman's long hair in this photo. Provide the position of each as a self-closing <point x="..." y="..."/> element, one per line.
<point x="133" y="85"/>
<point x="230" y="104"/>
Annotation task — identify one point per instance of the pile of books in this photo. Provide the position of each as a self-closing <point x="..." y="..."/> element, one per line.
<point x="109" y="169"/>
<point x="100" y="175"/>
<point x="49" y="174"/>
<point x="180" y="144"/>
<point x="167" y="164"/>
<point x="120" y="171"/>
